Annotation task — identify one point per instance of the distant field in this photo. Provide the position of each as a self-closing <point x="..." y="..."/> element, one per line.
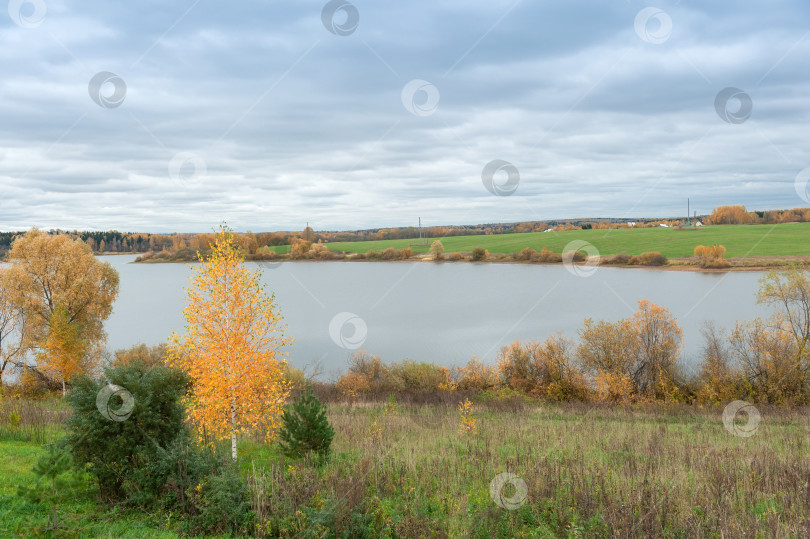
<point x="739" y="240"/>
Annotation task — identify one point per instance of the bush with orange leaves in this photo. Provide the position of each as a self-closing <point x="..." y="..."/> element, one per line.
<point x="613" y="387"/>
<point x="477" y="376"/>
<point x="299" y="248"/>
<point x="467" y="423"/>
<point x="643" y="349"/>
<point x="545" y="370"/>
<point x="711" y="257"/>
<point x="719" y="380"/>
<point x="367" y="374"/>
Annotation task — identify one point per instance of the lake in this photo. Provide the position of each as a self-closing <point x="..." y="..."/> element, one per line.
<point x="443" y="313"/>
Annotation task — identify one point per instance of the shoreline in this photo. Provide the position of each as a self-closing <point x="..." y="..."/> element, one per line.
<point x="737" y="264"/>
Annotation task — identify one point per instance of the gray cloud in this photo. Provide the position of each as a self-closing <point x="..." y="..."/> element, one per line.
<point x="296" y="124"/>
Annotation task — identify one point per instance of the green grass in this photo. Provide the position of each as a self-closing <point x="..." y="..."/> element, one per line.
<point x="739" y="240"/>
<point x="81" y="514"/>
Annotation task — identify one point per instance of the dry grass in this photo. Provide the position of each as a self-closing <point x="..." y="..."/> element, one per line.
<point x="599" y="472"/>
<point x="30" y="420"/>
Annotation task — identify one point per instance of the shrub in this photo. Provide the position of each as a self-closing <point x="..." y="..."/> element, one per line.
<point x="389" y="254"/>
<point x="306" y="428"/>
<point x="437" y="250"/>
<point x="56" y="481"/>
<point x="150" y="356"/>
<point x="417" y="376"/>
<point x="576" y="256"/>
<point x="477" y="376"/>
<point x="546" y="255"/>
<point x="527" y="255"/>
<point x="299" y="248"/>
<point x="175" y="472"/>
<point x="222" y="504"/>
<point x="134" y="431"/>
<point x="479" y="254"/>
<point x="371" y="254"/>
<point x="319" y="251"/>
<point x="653" y="258"/>
<point x="265" y="254"/>
<point x="368" y="374"/>
<point x="650" y="258"/>
<point x="543" y="370"/>
<point x="405" y="253"/>
<point x="621" y="258"/>
<point x="294" y="376"/>
<point x="456" y="257"/>
<point x="711" y="257"/>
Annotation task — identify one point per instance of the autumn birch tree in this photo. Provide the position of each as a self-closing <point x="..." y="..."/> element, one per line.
<point x="232" y="348"/>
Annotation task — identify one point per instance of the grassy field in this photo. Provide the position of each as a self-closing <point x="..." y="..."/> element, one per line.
<point x="82" y="515"/>
<point x="588" y="472"/>
<point x="739" y="240"/>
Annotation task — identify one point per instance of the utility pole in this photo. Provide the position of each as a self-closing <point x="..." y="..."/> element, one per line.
<point x="420" y="230"/>
<point x="688" y="210"/>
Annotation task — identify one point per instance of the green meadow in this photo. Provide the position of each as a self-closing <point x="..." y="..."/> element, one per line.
<point x="739" y="240"/>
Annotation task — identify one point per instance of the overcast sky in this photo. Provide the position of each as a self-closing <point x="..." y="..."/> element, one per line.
<point x="163" y="116"/>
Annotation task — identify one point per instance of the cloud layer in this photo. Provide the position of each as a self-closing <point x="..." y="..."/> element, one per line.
<point x="264" y="115"/>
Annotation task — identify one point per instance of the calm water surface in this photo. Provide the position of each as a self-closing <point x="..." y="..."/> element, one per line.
<point x="443" y="313"/>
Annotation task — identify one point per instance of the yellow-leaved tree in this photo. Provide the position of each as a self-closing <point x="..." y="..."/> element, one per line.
<point x="232" y="348"/>
<point x="63" y="295"/>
